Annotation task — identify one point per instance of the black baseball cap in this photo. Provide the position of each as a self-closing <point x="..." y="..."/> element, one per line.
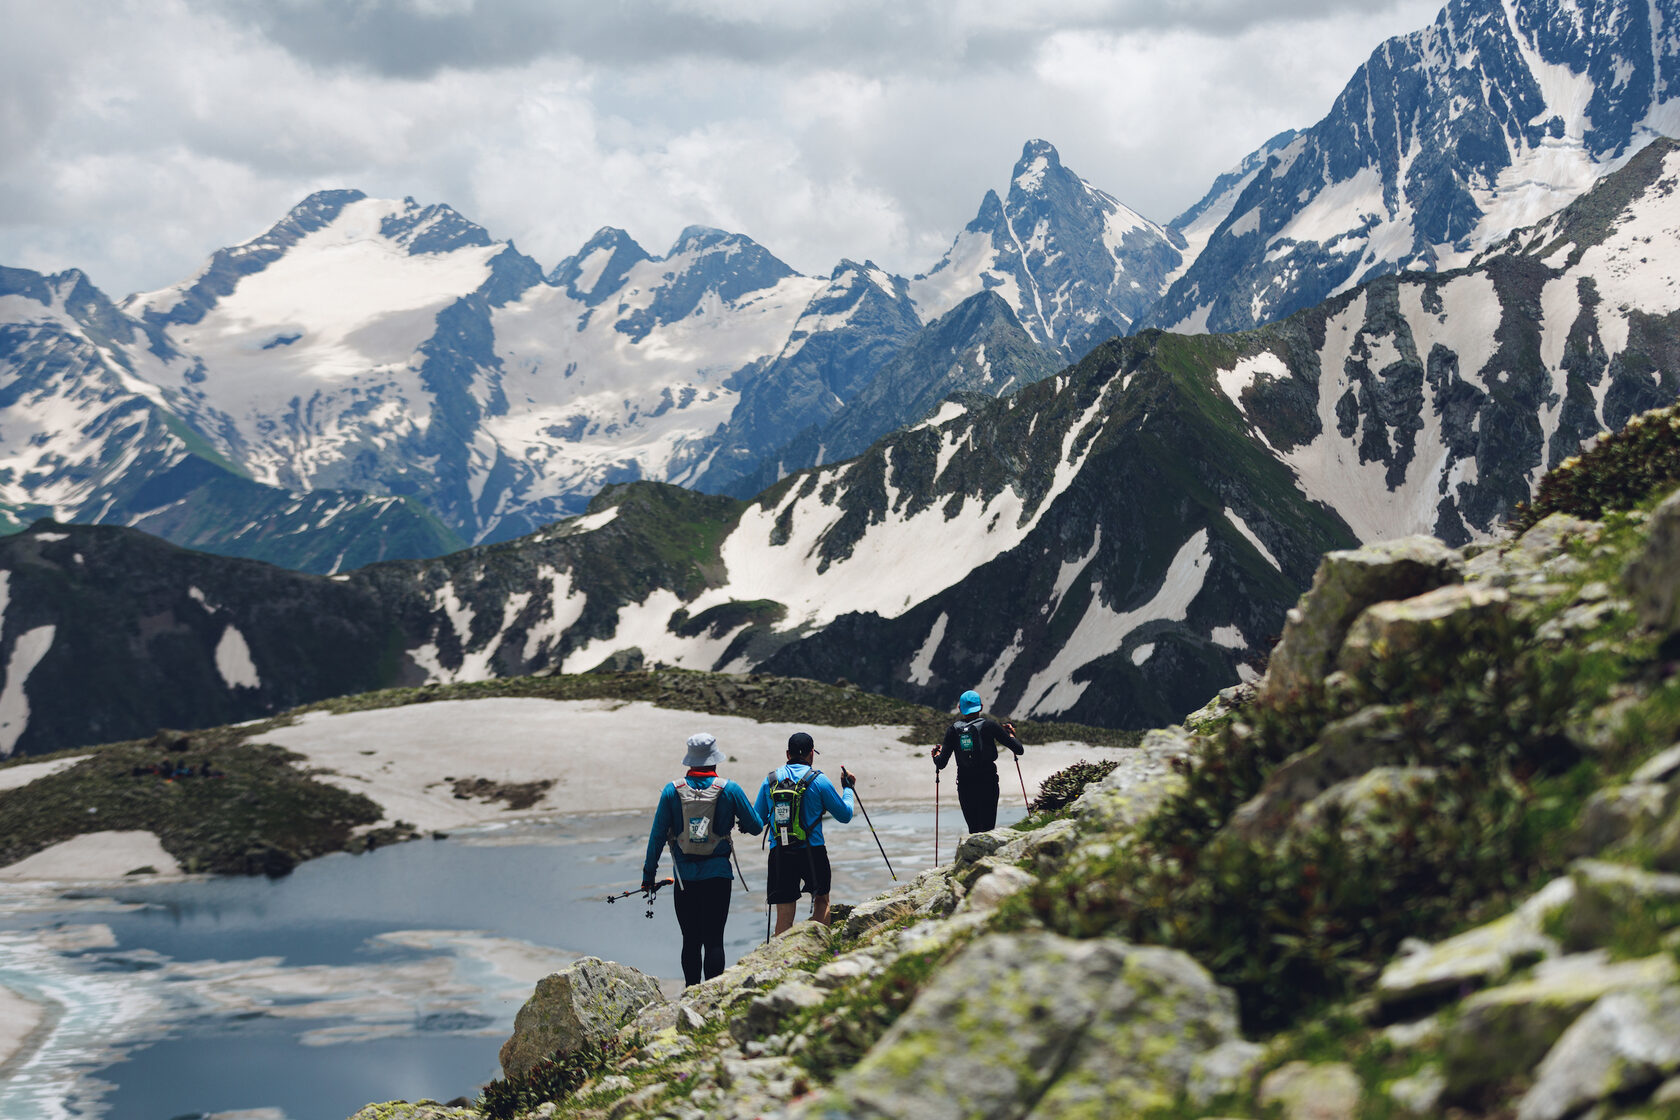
<point x="800" y="743"/>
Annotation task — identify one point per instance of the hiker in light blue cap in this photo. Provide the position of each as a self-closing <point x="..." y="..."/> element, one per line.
<point x="694" y="818"/>
<point x="973" y="741"/>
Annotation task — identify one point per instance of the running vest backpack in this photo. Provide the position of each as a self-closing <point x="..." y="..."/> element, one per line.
<point x="696" y="820"/>
<point x="968" y="737"/>
<point x="787" y="807"/>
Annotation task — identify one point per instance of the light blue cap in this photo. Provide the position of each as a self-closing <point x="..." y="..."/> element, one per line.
<point x="969" y="703"/>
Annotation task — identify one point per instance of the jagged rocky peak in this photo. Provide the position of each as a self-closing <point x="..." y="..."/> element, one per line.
<point x="1071" y="260"/>
<point x="599" y="268"/>
<point x="437" y="228"/>
<point x="1444" y="141"/>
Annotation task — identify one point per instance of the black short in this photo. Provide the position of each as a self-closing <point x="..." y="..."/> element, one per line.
<point x="797" y="870"/>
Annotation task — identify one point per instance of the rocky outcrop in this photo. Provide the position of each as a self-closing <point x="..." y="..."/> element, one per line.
<point x="1345" y="584"/>
<point x="1052" y="1026"/>
<point x="583" y="1005"/>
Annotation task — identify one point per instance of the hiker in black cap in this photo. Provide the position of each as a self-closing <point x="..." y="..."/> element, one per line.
<point x="792" y="802"/>
<point x="694" y="818"/>
<point x="973" y="740"/>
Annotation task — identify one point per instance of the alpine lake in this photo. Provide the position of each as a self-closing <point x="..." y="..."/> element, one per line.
<point x="359" y="978"/>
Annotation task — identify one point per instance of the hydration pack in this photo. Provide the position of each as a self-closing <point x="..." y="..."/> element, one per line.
<point x="787" y="807"/>
<point x="697" y="818"/>
<point x="968" y="735"/>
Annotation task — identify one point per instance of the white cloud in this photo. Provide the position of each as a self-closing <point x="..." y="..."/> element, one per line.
<point x="137" y="138"/>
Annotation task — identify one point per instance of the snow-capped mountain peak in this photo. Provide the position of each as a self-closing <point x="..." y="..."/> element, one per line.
<point x="1074" y="264"/>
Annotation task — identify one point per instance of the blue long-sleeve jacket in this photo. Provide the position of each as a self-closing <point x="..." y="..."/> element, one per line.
<point x="820" y="797"/>
<point x="733" y="811"/>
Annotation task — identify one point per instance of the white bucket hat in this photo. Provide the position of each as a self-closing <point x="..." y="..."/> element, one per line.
<point x="703" y="751"/>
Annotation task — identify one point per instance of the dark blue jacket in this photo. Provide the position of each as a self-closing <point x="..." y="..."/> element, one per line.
<point x="733" y="811"/>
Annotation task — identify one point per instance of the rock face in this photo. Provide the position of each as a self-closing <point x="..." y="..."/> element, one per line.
<point x="1345" y="584"/>
<point x="1094" y="1028"/>
<point x="1654" y="575"/>
<point x="579" y="1006"/>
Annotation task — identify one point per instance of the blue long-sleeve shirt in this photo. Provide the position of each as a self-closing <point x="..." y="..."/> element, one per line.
<point x="733" y="811"/>
<point x="820" y="797"/>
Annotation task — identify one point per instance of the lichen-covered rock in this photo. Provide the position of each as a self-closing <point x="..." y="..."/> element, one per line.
<point x="769" y="1012"/>
<point x="1084" y="1028"/>
<point x="416" y="1110"/>
<point x="1228" y="1068"/>
<point x="1624" y="1042"/>
<point x="585" y="1003"/>
<point x="1345" y="749"/>
<point x="1313" y="1091"/>
<point x="1419" y="1094"/>
<point x="991" y="889"/>
<point x="1476" y="957"/>
<point x="1137" y="786"/>
<point x="1548" y="538"/>
<point x="1345" y="584"/>
<point x="1365" y="803"/>
<point x="1653" y="576"/>
<point x="1390" y="628"/>
<point x="1504" y="1031"/>
<point x="1660" y="767"/>
<point x="760" y="969"/>
<point x="1226" y="701"/>
<point x="1606" y="891"/>
<point x="933" y="893"/>
<point x="1044" y="847"/>
<point x="1618" y="814"/>
<point x="977" y="845"/>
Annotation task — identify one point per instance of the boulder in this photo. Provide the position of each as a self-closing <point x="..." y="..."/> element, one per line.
<point x="1477" y="957"/>
<point x="1097" y="1028"/>
<point x="991" y="889"/>
<point x="769" y="1013"/>
<point x="1617" y="814"/>
<point x="1228" y="1069"/>
<point x="1605" y="893"/>
<point x="1400" y="627"/>
<point x="805" y="943"/>
<point x="1313" y="1091"/>
<point x="1548" y="538"/>
<point x="1419" y="1094"/>
<point x="1345" y="749"/>
<point x="1365" y="803"/>
<point x="1660" y="767"/>
<point x="416" y="1110"/>
<point x="1135" y="788"/>
<point x="933" y="893"/>
<point x="977" y="845"/>
<point x="1653" y="575"/>
<point x="584" y="1004"/>
<point x="1623" y="1043"/>
<point x="1504" y="1031"/>
<point x="1345" y="584"/>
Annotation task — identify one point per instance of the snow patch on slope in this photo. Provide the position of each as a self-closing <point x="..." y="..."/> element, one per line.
<point x="1103" y="631"/>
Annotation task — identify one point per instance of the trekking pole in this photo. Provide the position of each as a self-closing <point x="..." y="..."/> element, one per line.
<point x="611" y="898"/>
<point x="872" y="831"/>
<point x="936" y="816"/>
<point x="738" y="870"/>
<point x="1010" y="727"/>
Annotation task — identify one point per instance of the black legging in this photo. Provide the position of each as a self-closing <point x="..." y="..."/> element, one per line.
<point x="702" y="909"/>
<point x="979" y="800"/>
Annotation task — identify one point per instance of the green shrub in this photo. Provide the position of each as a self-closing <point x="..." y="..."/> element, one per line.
<point x="1296" y="921"/>
<point x="1064" y="786"/>
<point x="552" y="1079"/>
<point x="1620" y="472"/>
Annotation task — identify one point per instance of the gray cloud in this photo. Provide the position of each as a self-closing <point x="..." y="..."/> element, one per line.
<point x="136" y="139"/>
<point x="417" y="38"/>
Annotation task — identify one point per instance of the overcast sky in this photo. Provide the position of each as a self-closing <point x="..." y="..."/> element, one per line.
<point x="138" y="136"/>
